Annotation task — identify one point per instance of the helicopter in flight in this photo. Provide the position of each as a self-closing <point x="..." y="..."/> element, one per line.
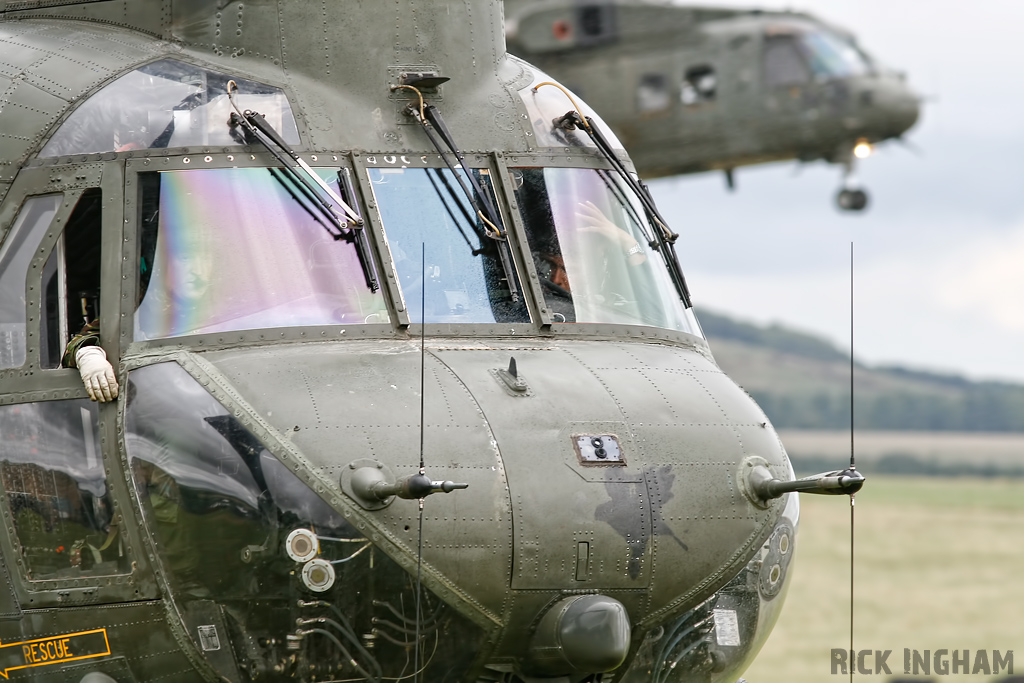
<point x="690" y="89"/>
<point x="410" y="383"/>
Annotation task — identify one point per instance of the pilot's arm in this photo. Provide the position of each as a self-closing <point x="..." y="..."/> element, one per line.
<point x="85" y="353"/>
<point x="592" y="219"/>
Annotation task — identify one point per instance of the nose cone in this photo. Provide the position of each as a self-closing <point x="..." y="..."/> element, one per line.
<point x="890" y="106"/>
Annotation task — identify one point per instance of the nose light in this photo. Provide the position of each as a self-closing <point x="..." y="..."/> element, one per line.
<point x="580" y="634"/>
<point x="302" y="545"/>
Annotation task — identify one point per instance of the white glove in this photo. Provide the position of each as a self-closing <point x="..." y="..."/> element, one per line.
<point x="97" y="373"/>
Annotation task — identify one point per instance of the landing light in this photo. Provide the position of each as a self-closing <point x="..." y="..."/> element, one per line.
<point x="862" y="150"/>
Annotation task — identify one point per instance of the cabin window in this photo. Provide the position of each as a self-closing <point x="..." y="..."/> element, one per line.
<point x="699" y="85"/>
<point x="71" y="279"/>
<point x="784" y="63"/>
<point x="16" y="254"/>
<point x="236" y="249"/>
<point x="590" y="241"/>
<point x="652" y="94"/>
<point x="463" y="275"/>
<point x="167" y="104"/>
<point x="52" y="472"/>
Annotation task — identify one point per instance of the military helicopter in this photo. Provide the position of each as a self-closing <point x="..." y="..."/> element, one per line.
<point x="691" y="89"/>
<point x="336" y="250"/>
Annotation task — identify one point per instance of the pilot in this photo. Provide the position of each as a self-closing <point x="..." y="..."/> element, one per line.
<point x="85" y="353"/>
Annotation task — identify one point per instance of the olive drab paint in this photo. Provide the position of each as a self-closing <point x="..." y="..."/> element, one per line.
<point x="238" y="512"/>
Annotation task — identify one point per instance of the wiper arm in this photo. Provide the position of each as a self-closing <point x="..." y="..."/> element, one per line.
<point x="440" y="137"/>
<point x="348" y="224"/>
<point x="664" y="238"/>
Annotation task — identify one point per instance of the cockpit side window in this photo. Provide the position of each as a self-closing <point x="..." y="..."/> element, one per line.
<point x="590" y="241"/>
<point x="784" y="64"/>
<point x="71" y="279"/>
<point x="167" y="104"/>
<point x="16" y="254"/>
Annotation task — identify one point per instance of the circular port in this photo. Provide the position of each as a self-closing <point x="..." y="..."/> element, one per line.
<point x="318" y="575"/>
<point x="302" y="545"/>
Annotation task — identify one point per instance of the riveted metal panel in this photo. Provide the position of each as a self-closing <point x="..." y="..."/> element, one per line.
<point x="340" y="402"/>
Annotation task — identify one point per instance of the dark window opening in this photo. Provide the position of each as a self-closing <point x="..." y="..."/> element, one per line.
<point x="652" y="93"/>
<point x="71" y="279"/>
<point x="595" y="24"/>
<point x="699" y="84"/>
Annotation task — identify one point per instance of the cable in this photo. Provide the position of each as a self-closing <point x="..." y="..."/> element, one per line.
<point x="586" y="124"/>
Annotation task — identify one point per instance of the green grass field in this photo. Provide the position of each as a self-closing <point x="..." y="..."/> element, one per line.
<point x="939" y="564"/>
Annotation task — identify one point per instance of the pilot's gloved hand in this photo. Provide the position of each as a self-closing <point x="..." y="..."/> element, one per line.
<point x="97" y="373"/>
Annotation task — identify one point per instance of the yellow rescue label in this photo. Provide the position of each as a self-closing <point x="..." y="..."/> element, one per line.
<point x="53" y="650"/>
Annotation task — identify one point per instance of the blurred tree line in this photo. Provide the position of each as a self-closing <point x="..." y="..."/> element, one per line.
<point x="802" y="382"/>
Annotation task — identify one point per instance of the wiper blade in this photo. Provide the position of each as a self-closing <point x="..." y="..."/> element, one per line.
<point x="348" y="224"/>
<point x="665" y="239"/>
<point x="441" y="138"/>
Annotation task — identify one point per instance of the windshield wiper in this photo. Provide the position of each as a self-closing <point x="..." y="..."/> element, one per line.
<point x="348" y="224"/>
<point x="441" y="138"/>
<point x="664" y="239"/>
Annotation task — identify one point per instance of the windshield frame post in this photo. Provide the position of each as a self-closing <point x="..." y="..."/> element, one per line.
<point x="373" y="223"/>
<point x="518" y="244"/>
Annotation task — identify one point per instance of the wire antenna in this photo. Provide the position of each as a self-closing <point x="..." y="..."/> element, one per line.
<point x="419" y="550"/>
<point x="853" y="462"/>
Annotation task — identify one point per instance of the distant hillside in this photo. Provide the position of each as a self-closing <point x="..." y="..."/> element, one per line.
<point x="803" y="382"/>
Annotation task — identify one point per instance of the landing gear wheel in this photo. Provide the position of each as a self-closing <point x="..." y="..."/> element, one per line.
<point x="852" y="200"/>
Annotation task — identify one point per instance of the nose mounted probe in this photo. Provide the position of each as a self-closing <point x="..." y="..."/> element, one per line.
<point x="760" y="486"/>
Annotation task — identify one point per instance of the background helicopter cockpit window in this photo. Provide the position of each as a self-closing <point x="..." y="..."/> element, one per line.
<point x="831" y="56"/>
<point x="463" y="275"/>
<point x="794" y="56"/>
<point x="589" y="237"/>
<point x="167" y="104"/>
<point x="235" y="249"/>
<point x="16" y="254"/>
<point x="52" y="470"/>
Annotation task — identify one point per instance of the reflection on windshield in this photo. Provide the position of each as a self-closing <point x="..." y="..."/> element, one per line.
<point x="590" y="243"/>
<point x="233" y="249"/>
<point x="464" y="278"/>
<point x="51" y="464"/>
<point x="166" y="104"/>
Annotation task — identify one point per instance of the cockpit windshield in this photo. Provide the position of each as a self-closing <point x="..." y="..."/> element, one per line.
<point x="233" y="249"/>
<point x="590" y="240"/>
<point x="794" y="55"/>
<point x="167" y="104"/>
<point x="831" y="56"/>
<point x="463" y="274"/>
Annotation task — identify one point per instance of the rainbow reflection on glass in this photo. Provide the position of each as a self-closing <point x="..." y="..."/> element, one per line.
<point x="235" y="250"/>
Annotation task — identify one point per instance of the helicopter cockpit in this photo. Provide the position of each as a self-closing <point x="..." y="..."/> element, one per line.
<point x="271" y="351"/>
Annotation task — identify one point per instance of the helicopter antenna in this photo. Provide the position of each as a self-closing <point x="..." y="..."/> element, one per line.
<point x="853" y="462"/>
<point x="419" y="551"/>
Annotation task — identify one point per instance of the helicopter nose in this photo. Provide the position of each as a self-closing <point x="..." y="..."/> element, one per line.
<point x="895" y="107"/>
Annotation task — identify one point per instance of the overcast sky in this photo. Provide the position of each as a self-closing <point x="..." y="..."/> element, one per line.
<point x="940" y="251"/>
